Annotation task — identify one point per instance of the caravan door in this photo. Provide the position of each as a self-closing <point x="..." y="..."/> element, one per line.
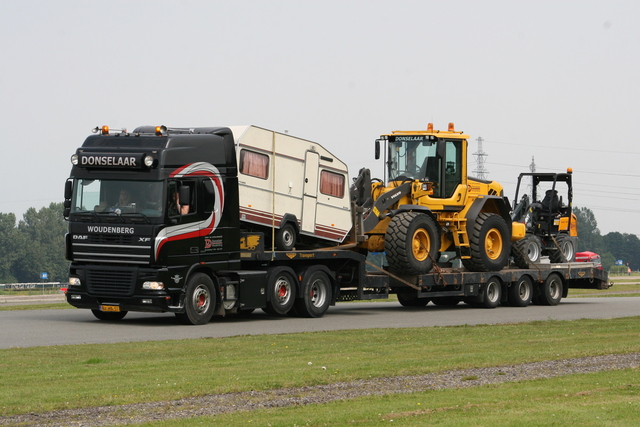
<point x="310" y="193"/>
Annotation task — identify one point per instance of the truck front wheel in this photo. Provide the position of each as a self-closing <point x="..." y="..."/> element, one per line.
<point x="411" y="243"/>
<point x="199" y="301"/>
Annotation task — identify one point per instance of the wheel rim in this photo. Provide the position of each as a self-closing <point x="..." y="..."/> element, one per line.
<point x="492" y="291"/>
<point x="287" y="237"/>
<point x="554" y="289"/>
<point x="567" y="251"/>
<point x="533" y="252"/>
<point x="282" y="291"/>
<point x="420" y="244"/>
<point x="317" y="293"/>
<point x="493" y="244"/>
<point x="524" y="291"/>
<point x="201" y="299"/>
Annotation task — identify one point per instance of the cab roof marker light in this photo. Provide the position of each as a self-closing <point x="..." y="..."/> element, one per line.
<point x="451" y="127"/>
<point x="430" y="127"/>
<point x="161" y="130"/>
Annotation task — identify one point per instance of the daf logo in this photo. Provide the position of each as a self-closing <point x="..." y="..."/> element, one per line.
<point x="144" y="239"/>
<point x="80" y="237"/>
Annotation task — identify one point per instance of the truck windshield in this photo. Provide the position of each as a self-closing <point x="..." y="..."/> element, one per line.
<point x="411" y="157"/>
<point x="99" y="196"/>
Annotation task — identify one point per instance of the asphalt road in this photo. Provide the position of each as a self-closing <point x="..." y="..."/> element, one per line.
<point x="30" y="328"/>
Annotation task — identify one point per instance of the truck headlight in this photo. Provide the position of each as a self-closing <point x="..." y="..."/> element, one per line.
<point x="74" y="281"/>
<point x="153" y="286"/>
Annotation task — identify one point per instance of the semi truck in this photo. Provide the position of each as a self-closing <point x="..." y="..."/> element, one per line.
<point x="158" y="222"/>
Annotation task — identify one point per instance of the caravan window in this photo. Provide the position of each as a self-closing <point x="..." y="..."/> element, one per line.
<point x="254" y="164"/>
<point x="332" y="184"/>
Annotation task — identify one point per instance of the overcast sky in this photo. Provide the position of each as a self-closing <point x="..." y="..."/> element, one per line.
<point x="555" y="80"/>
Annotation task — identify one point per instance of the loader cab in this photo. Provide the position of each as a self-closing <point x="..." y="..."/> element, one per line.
<point x="438" y="160"/>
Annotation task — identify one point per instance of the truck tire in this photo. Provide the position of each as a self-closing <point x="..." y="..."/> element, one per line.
<point x="551" y="290"/>
<point x="316" y="294"/>
<point x="567" y="251"/>
<point x="199" y="301"/>
<point x="520" y="293"/>
<point x="411" y="243"/>
<point x="490" y="244"/>
<point x="281" y="290"/>
<point x="109" y="315"/>
<point x="409" y="299"/>
<point x="526" y="251"/>
<point x="491" y="293"/>
<point x="286" y="237"/>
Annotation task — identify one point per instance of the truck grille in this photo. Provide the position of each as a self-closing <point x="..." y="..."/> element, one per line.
<point x="113" y="250"/>
<point x="110" y="282"/>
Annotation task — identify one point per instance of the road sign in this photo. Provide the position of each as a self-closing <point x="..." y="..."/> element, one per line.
<point x="44" y="276"/>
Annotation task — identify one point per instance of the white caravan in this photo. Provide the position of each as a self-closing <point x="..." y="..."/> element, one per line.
<point x="291" y="186"/>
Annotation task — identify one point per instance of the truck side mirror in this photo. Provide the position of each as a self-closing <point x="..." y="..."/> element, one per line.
<point x="68" y="189"/>
<point x="68" y="193"/>
<point x="377" y="149"/>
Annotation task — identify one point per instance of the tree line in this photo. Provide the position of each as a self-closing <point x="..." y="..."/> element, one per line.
<point x="35" y="244"/>
<point x="611" y="247"/>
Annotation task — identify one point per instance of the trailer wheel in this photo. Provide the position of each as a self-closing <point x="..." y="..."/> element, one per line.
<point x="490" y="244"/>
<point x="109" y="315"/>
<point x="567" y="251"/>
<point x="199" y="301"/>
<point x="316" y="294"/>
<point x="520" y="292"/>
<point x="411" y="300"/>
<point x="286" y="237"/>
<point x="411" y="243"/>
<point x="551" y="290"/>
<point x="281" y="290"/>
<point x="527" y="251"/>
<point x="491" y="293"/>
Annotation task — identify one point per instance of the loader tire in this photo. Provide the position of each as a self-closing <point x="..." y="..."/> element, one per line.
<point x="411" y="243"/>
<point x="490" y="244"/>
<point x="567" y="251"/>
<point x="526" y="251"/>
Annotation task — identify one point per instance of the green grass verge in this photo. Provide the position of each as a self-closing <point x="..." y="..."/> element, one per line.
<point x="62" y="305"/>
<point x="46" y="378"/>
<point x="609" y="398"/>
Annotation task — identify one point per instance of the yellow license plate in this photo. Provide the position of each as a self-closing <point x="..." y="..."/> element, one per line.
<point x="109" y="308"/>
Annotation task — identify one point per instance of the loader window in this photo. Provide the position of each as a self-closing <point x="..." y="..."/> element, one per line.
<point x="254" y="164"/>
<point x="411" y="158"/>
<point x="453" y="167"/>
<point x="332" y="184"/>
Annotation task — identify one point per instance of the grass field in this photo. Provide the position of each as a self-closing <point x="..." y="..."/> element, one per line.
<point x="48" y="378"/>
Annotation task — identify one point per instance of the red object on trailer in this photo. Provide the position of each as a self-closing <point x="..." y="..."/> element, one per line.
<point x="588" y="256"/>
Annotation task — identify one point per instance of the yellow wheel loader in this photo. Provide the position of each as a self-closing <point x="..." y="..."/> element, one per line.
<point x="427" y="204"/>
